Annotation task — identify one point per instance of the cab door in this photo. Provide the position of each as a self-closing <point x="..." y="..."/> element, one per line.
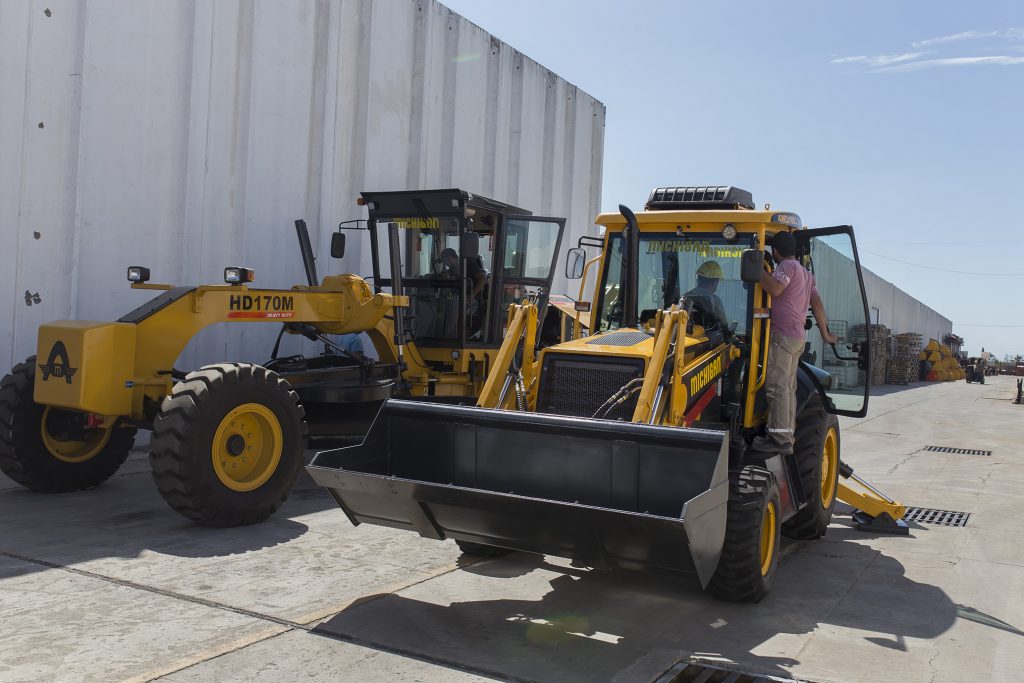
<point x="831" y="255"/>
<point x="525" y="264"/>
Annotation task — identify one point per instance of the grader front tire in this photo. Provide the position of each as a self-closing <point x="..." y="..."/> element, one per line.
<point x="40" y="460"/>
<point x="227" y="444"/>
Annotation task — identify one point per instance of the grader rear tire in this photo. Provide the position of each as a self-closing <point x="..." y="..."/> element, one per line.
<point x="227" y="444"/>
<point x="41" y="460"/>
<point x="817" y="457"/>
<point x="750" y="555"/>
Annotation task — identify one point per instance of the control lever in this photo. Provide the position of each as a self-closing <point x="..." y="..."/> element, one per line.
<point x="858" y="358"/>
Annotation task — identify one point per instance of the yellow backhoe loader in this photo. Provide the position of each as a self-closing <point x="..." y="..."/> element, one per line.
<point x="631" y="447"/>
<point x="227" y="439"/>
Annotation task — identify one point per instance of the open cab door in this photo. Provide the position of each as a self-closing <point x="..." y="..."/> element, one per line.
<point x="526" y="261"/>
<point x="831" y="255"/>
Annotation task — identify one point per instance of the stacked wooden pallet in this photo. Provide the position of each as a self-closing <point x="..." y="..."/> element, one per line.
<point x="879" y="349"/>
<point x="902" y="367"/>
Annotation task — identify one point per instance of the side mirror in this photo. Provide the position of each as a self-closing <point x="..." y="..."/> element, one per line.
<point x="574" y="262"/>
<point x="338" y="245"/>
<point x="751" y="265"/>
<point x="470" y="245"/>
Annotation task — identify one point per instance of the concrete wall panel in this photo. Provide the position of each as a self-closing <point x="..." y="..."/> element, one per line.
<point x="188" y="136"/>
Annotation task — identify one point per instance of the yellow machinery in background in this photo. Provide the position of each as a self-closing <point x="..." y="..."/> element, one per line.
<point x="631" y="447"/>
<point x="228" y="438"/>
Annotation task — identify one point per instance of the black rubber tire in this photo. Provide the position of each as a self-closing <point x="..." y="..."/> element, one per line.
<point x="25" y="459"/>
<point x="812" y="426"/>
<point x="738" y="577"/>
<point x="481" y="550"/>
<point x="183" y="433"/>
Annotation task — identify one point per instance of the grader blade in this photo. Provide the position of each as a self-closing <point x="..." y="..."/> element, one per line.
<point x="603" y="493"/>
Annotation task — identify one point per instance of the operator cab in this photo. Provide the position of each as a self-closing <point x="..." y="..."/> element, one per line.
<point x="462" y="259"/>
<point x="690" y="251"/>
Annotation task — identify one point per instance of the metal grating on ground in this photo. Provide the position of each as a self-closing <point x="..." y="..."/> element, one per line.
<point x="957" y="451"/>
<point x="937" y="517"/>
<point x="698" y="672"/>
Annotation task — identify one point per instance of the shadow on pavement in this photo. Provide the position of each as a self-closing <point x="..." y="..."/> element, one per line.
<point x="569" y="624"/>
<point x="126" y="515"/>
<point x="886" y="389"/>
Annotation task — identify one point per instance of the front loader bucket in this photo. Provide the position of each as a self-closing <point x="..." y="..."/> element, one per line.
<point x="604" y="493"/>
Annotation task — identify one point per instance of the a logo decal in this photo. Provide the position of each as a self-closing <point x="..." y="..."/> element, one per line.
<point x="261" y="306"/>
<point x="51" y="367"/>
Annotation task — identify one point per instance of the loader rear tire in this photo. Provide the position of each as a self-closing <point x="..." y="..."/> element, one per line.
<point x="62" y="465"/>
<point x="227" y="444"/>
<point x="481" y="550"/>
<point x="817" y="457"/>
<point x="750" y="554"/>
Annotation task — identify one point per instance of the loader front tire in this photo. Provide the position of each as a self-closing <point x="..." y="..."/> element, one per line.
<point x="750" y="554"/>
<point x="39" y="458"/>
<point x="817" y="457"/>
<point x="227" y="444"/>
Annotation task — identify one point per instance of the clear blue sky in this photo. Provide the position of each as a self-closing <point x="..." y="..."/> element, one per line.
<point x="904" y="119"/>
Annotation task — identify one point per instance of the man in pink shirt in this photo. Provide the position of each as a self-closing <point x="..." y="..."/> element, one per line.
<point x="792" y="289"/>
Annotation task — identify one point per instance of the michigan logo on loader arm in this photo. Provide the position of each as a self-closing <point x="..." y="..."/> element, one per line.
<point x="63" y="369"/>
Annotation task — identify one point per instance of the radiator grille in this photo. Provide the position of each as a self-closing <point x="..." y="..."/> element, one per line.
<point x="579" y="385"/>
<point x="625" y="338"/>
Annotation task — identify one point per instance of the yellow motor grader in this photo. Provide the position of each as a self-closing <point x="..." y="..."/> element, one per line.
<point x="228" y="439"/>
<point x="632" y="447"/>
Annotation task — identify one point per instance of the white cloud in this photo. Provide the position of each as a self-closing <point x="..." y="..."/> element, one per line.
<point x="966" y="35"/>
<point x="1012" y="33"/>
<point x="999" y="60"/>
<point x="848" y="60"/>
<point x="878" y="60"/>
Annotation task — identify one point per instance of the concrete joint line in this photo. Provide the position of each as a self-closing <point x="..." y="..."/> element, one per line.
<point x="157" y="591"/>
<point x="289" y="625"/>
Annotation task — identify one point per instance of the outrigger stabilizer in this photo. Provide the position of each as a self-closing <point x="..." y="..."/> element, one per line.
<point x="874" y="511"/>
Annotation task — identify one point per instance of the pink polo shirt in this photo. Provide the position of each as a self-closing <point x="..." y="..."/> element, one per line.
<point x="789" y="309"/>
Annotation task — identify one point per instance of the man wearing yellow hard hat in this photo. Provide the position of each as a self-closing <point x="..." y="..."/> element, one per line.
<point x="704" y="298"/>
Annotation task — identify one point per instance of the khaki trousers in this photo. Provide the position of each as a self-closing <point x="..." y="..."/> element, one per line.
<point x="780" y="387"/>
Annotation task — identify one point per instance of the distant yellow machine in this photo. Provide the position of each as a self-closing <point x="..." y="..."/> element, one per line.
<point x="631" y="446"/>
<point x="228" y="438"/>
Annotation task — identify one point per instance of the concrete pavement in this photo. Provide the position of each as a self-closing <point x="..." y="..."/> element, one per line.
<point x="111" y="584"/>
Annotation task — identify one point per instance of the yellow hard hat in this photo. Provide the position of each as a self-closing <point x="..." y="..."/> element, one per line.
<point x="710" y="269"/>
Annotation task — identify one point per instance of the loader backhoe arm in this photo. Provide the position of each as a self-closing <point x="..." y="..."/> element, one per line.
<point x="522" y="325"/>
<point x="655" y="388"/>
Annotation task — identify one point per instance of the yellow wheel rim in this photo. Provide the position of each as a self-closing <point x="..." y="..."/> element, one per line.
<point x="247" y="447"/>
<point x="829" y="465"/>
<point x="768" y="522"/>
<point x="73" y="451"/>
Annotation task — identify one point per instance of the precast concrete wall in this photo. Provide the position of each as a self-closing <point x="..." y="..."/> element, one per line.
<point x="188" y="135"/>
<point x="901" y="312"/>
